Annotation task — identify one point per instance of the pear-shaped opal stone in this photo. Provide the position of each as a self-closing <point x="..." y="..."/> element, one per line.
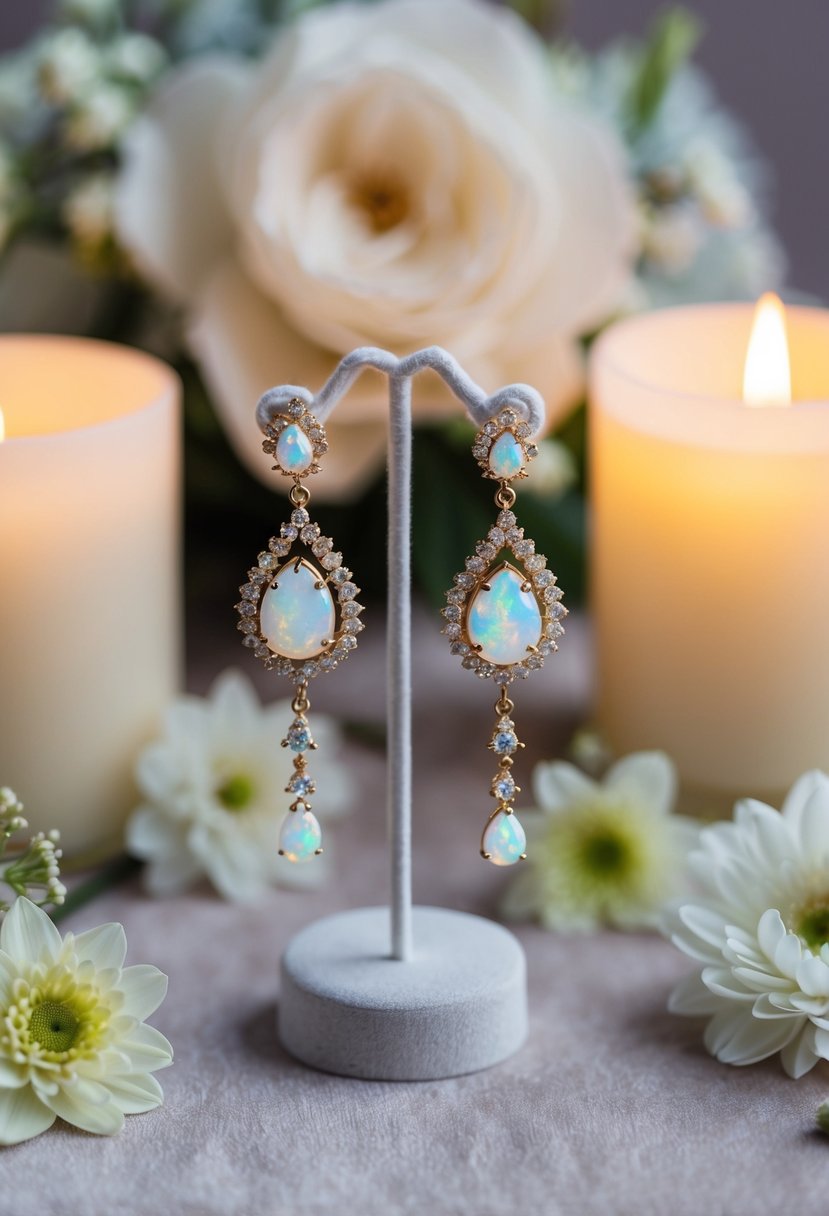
<point x="300" y="835"/>
<point x="297" y="616"/>
<point x="504" y="840"/>
<point x="504" y="620"/>
<point x="506" y="456"/>
<point x="294" y="452"/>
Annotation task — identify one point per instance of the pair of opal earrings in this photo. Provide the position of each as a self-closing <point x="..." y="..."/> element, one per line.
<point x="299" y="614"/>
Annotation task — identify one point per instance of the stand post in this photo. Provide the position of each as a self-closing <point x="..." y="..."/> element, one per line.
<point x="399" y="768"/>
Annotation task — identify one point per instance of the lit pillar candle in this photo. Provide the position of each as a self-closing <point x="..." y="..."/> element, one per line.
<point x="89" y="577"/>
<point x="710" y="552"/>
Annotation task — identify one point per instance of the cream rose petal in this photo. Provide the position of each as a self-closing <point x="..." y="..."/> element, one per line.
<point x="169" y="204"/>
<point x="244" y="346"/>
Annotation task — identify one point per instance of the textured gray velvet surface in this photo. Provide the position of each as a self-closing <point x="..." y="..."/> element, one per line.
<point x="613" y="1106"/>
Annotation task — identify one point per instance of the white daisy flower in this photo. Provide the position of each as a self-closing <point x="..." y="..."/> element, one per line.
<point x="760" y="929"/>
<point x="215" y="794"/>
<point x="73" y="1041"/>
<point x="602" y="852"/>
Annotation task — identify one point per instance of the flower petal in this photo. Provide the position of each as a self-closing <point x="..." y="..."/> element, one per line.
<point x="770" y="932"/>
<point x="813" y="976"/>
<point x="706" y="924"/>
<point x="147" y="1049"/>
<point x="813" y="823"/>
<point x="22" y="1115"/>
<point x="12" y="1075"/>
<point x="646" y="779"/>
<point x="244" y="344"/>
<point x="27" y="934"/>
<point x="104" y="946"/>
<point x="144" y="988"/>
<point x="800" y="793"/>
<point x="722" y="982"/>
<point x="136" y="1093"/>
<point x="558" y="786"/>
<point x="753" y="1039"/>
<point x="170" y="212"/>
<point x="691" y="998"/>
<point x="101" y="1118"/>
<point x="787" y="955"/>
<point x="799" y="1056"/>
<point x="764" y="1007"/>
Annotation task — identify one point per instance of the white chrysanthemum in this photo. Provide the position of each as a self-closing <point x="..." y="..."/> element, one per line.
<point x="214" y="790"/>
<point x="760" y="927"/>
<point x="72" y="1036"/>
<point x="602" y="852"/>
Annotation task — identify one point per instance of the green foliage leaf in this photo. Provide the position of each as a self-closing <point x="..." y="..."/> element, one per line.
<point x="672" y="39"/>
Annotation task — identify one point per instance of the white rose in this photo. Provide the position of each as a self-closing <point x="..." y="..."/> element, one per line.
<point x="395" y="174"/>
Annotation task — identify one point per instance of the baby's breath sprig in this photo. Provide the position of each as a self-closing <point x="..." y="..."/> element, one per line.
<point x="35" y="872"/>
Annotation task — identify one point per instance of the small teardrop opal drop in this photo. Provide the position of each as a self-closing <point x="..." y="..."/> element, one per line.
<point x="504" y="840"/>
<point x="297" y="615"/>
<point x="294" y="452"/>
<point x="300" y="835"/>
<point x="506" y="456"/>
<point x="504" y="620"/>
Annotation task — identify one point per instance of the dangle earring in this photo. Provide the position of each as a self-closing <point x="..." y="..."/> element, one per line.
<point x="298" y="611"/>
<point x="503" y="618"/>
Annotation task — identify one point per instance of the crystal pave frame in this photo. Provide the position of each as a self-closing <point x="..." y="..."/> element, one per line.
<point x="288" y="615"/>
<point x="503" y="618"/>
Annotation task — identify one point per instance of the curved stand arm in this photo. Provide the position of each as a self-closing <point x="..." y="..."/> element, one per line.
<point x="530" y="405"/>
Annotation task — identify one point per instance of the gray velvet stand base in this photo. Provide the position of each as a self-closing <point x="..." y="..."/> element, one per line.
<point x="459" y="1005"/>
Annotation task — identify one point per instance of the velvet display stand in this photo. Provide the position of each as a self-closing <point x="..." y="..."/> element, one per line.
<point x="402" y="993"/>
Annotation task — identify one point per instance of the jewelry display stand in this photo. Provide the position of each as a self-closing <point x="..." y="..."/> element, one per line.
<point x="402" y="993"/>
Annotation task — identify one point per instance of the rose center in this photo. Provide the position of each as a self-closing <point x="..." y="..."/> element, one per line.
<point x="605" y="853"/>
<point x="237" y="793"/>
<point x="812" y="925"/>
<point x="382" y="201"/>
<point x="54" y="1026"/>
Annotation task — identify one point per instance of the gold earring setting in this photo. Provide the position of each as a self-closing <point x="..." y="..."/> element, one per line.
<point x="299" y="612"/>
<point x="503" y="618"/>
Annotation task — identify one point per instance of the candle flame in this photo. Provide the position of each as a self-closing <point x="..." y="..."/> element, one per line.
<point x="767" y="379"/>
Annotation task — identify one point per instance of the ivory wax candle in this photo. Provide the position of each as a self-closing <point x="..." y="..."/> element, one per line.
<point x="89" y="577"/>
<point x="710" y="551"/>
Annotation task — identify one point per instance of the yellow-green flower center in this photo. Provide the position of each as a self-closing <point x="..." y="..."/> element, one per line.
<point x="54" y="1026"/>
<point x="237" y="792"/>
<point x="606" y="854"/>
<point x="812" y="925"/>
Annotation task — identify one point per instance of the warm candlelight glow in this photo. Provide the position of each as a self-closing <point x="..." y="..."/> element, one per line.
<point x="2" y="427"/>
<point x="767" y="377"/>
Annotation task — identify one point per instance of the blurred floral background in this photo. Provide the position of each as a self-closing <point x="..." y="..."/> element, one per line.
<point x="249" y="189"/>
